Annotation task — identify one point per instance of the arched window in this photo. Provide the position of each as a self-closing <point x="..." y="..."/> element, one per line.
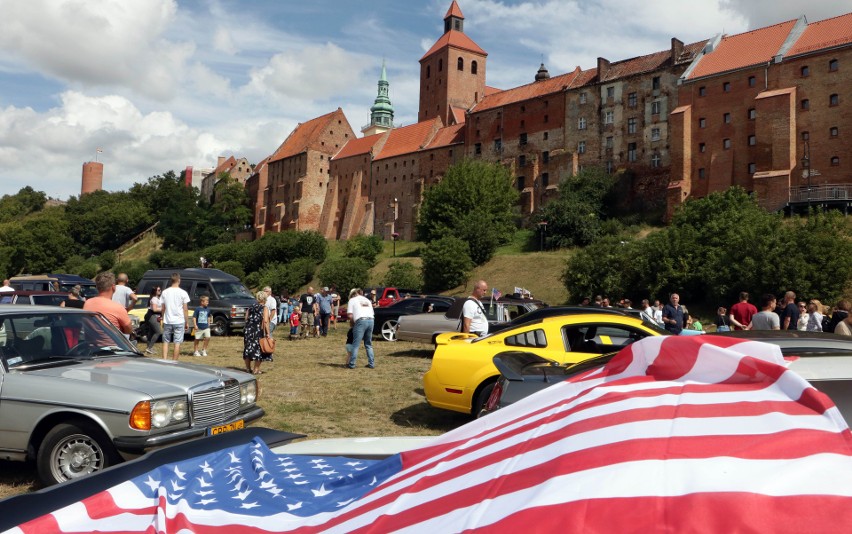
<point x="473" y="67"/>
<point x="460" y="64"/>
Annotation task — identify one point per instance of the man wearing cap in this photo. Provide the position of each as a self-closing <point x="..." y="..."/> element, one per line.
<point x="323" y="299"/>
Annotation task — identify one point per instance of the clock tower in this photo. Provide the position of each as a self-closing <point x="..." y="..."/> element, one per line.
<point x="452" y="72"/>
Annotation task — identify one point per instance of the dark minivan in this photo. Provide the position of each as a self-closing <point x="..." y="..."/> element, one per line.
<point x="229" y="298"/>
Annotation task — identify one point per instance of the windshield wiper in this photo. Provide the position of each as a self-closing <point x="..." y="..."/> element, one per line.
<point x="53" y="361"/>
<point x="112" y="350"/>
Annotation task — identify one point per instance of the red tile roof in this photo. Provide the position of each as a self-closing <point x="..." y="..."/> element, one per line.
<point x="527" y="92"/>
<point x="226" y="166"/>
<point x="454" y="39"/>
<point x="827" y="33"/>
<point x="358" y="146"/>
<point x="454" y="11"/>
<point x="491" y="90"/>
<point x="743" y="50"/>
<point x="451" y="135"/>
<point x="650" y="62"/>
<point x="408" y="139"/>
<point x="458" y="114"/>
<point x="302" y="136"/>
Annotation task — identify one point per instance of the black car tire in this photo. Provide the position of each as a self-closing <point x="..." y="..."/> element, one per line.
<point x="71" y="451"/>
<point x="219" y="326"/>
<point x="389" y="330"/>
<point x="481" y="399"/>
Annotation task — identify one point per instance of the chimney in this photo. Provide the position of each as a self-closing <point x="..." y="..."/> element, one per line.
<point x="220" y="162"/>
<point x="677" y="49"/>
<point x="603" y="68"/>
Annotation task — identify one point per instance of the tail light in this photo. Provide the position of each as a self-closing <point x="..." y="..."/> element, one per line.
<point x="494" y="398"/>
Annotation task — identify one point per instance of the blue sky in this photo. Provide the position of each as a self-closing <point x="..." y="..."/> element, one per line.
<point x="162" y="84"/>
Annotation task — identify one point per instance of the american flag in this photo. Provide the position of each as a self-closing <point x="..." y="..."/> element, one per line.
<point x="495" y="293"/>
<point x="674" y="434"/>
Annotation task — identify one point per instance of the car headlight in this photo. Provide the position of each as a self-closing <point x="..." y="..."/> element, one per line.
<point x="248" y="393"/>
<point x="158" y="414"/>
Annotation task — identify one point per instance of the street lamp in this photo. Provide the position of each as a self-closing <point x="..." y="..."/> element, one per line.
<point x="806" y="165"/>
<point x="542" y="226"/>
<point x="394" y="234"/>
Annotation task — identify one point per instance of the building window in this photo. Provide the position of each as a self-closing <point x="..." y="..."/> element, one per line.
<point x="752" y="140"/>
<point x="545" y="136"/>
<point x="833" y="65"/>
<point x="581" y="147"/>
<point x="631" y="100"/>
<point x="806" y="104"/>
<point x="440" y="65"/>
<point x="545" y="179"/>
<point x="610" y="92"/>
<point x="806" y="135"/>
<point x="835" y="161"/>
<point x="833" y="131"/>
<point x="805" y="71"/>
<point x="581" y="123"/>
<point x="609" y="142"/>
<point x="473" y="67"/>
<point x="702" y="122"/>
<point x="498" y="145"/>
<point x="460" y="64"/>
<point x="833" y="100"/>
<point x="727" y="118"/>
<point x="726" y="87"/>
<point x="609" y="166"/>
<point x="752" y="114"/>
<point x="702" y="91"/>
<point x="477" y="148"/>
<point x="655" y="107"/>
<point x="701" y="173"/>
<point x="631" y="151"/>
<point x="520" y="181"/>
<point x="608" y="117"/>
<point x="726" y="143"/>
<point x="522" y="161"/>
<point x="702" y="147"/>
<point x="655" y="134"/>
<point x="655" y="83"/>
<point x="545" y="156"/>
<point x="656" y="160"/>
<point x="582" y="98"/>
<point x="428" y="71"/>
<point x="752" y="168"/>
<point x="631" y="125"/>
<point x="752" y="81"/>
<point x="522" y="139"/>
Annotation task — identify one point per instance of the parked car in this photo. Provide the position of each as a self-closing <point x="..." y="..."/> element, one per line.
<point x="67" y="281"/>
<point x="77" y="397"/>
<point x="33" y="298"/>
<point x="387" y="317"/>
<point x="824" y="359"/>
<point x="426" y="327"/>
<point x="229" y="298"/>
<point x="463" y="374"/>
<point x="385" y="296"/>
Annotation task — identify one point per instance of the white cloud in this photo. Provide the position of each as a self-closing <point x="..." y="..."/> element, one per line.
<point x="223" y="41"/>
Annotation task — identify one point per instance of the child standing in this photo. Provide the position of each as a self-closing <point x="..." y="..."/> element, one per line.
<point x="349" y="347"/>
<point x="294" y="324"/>
<point x="201" y="323"/>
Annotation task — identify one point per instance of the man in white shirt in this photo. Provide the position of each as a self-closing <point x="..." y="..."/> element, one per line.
<point x="175" y="303"/>
<point x="123" y="294"/>
<point x="7" y="286"/>
<point x="272" y="306"/>
<point x="474" y="319"/>
<point x="361" y="317"/>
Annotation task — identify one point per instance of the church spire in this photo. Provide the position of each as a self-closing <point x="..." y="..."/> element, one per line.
<point x="454" y="20"/>
<point x="381" y="112"/>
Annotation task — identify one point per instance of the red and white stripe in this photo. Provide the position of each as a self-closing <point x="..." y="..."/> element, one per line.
<point x="675" y="434"/>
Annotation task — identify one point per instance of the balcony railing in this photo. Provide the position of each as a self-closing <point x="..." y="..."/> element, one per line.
<point x="821" y="193"/>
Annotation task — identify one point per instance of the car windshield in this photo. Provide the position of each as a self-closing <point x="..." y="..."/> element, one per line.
<point x="229" y="290"/>
<point x="43" y="339"/>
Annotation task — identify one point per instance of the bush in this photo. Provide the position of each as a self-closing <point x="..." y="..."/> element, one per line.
<point x="284" y="277"/>
<point x="366" y="247"/>
<point x="403" y="274"/>
<point x="345" y="273"/>
<point x="231" y="267"/>
<point x="446" y="264"/>
<point x="134" y="269"/>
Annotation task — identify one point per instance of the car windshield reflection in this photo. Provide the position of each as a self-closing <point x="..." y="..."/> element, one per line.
<point x="228" y="290"/>
<point x="41" y="339"/>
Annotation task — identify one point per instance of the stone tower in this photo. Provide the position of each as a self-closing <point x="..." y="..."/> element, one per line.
<point x="93" y="177"/>
<point x="381" y="113"/>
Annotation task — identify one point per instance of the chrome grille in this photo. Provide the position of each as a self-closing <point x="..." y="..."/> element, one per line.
<point x="215" y="402"/>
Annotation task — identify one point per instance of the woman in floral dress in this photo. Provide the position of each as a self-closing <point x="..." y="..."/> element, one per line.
<point x="257" y="323"/>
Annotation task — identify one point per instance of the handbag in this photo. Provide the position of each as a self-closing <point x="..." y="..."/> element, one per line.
<point x="267" y="342"/>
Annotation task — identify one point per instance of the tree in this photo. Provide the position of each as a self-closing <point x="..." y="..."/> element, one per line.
<point x="366" y="247"/>
<point x="446" y="263"/>
<point x="104" y="220"/>
<point x="475" y="201"/>
<point x="230" y="213"/>
<point x="25" y="201"/>
<point x="345" y="273"/>
<point x="403" y="274"/>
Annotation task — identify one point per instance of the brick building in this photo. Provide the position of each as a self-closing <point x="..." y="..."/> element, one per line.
<point x="764" y="110"/>
<point x="238" y="169"/>
<point x="687" y="120"/>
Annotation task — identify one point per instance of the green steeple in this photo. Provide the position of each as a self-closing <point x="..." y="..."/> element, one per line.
<point x="381" y="113"/>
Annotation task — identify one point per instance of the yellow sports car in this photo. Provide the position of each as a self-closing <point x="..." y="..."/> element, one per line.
<point x="463" y="374"/>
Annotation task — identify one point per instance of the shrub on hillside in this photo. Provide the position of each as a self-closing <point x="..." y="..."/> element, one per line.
<point x="283" y="276"/>
<point x="446" y="263"/>
<point x="403" y="274"/>
<point x="366" y="247"/>
<point x="345" y="273"/>
<point x="231" y="267"/>
<point x="134" y="269"/>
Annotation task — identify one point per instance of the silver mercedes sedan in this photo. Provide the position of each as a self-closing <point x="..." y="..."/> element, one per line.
<point x="77" y="397"/>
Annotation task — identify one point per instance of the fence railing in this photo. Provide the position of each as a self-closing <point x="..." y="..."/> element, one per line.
<point x="820" y="193"/>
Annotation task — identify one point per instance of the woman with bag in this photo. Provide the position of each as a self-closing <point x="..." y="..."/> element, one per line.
<point x="257" y="328"/>
<point x="723" y="324"/>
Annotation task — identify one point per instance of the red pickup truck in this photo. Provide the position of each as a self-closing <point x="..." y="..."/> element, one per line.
<point x="382" y="296"/>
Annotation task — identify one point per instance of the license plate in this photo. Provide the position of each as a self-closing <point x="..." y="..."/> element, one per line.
<point x="221" y="429"/>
